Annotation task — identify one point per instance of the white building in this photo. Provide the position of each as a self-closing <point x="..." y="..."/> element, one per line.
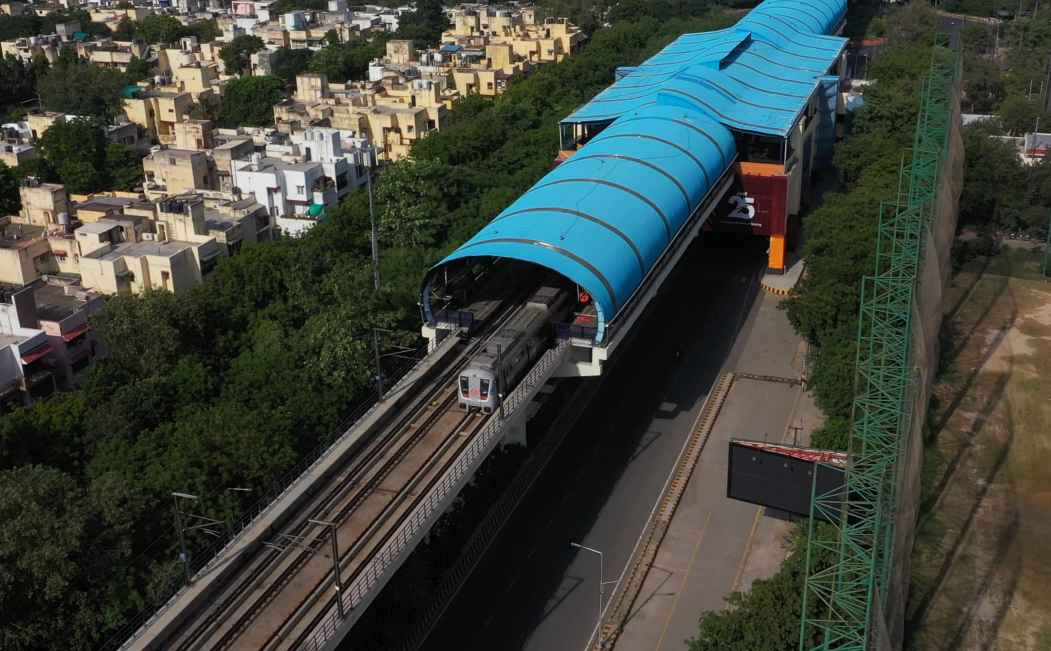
<point x="26" y="361"/>
<point x="295" y="194"/>
<point x="346" y="169"/>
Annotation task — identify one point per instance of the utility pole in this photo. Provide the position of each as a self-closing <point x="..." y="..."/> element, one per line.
<point x="335" y="564"/>
<point x="375" y="267"/>
<point x="183" y="555"/>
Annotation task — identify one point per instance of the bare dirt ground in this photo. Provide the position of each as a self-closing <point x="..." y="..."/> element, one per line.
<point x="982" y="559"/>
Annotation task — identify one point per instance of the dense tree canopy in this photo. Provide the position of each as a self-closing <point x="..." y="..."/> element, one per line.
<point x="12" y="27"/>
<point x="76" y="153"/>
<point x="424" y="25"/>
<point x="286" y="63"/>
<point x="346" y="61"/>
<point x="250" y="101"/>
<point x="10" y="203"/>
<point x="236" y="54"/>
<point x="82" y="89"/>
<point x="18" y="81"/>
<point x="841" y="233"/>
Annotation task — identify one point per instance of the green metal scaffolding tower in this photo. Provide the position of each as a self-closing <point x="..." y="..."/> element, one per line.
<point x="852" y="594"/>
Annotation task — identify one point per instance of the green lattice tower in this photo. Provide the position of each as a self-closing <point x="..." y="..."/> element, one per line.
<point x="853" y="590"/>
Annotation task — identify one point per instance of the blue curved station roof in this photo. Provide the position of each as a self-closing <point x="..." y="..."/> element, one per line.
<point x="603" y="217"/>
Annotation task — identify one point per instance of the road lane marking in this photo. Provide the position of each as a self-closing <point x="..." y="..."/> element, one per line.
<point x="682" y="586"/>
<point x="747" y="549"/>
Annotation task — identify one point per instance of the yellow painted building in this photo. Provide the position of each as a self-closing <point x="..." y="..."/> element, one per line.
<point x="158" y="111"/>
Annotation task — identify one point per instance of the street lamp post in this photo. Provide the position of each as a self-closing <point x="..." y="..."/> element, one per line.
<point x="335" y="564"/>
<point x="601" y="586"/>
<point x="375" y="265"/>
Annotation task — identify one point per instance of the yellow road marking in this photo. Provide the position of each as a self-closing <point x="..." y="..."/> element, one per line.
<point x="747" y="549"/>
<point x="682" y="585"/>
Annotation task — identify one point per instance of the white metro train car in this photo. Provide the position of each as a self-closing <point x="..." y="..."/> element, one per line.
<point x="511" y="352"/>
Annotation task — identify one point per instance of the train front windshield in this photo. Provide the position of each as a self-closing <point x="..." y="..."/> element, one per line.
<point x="465" y="386"/>
<point x="484" y="389"/>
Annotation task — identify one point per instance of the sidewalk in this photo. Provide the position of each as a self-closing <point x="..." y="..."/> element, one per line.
<point x="715" y="545"/>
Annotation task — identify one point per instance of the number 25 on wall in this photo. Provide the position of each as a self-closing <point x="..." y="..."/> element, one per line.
<point x="743" y="206"/>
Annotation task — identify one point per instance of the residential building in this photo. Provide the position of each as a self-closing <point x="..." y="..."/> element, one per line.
<point x="13" y="153"/>
<point x="389" y="115"/>
<point x="26" y="360"/>
<point x="158" y="111"/>
<point x="194" y="135"/>
<point x="63" y="308"/>
<point x="116" y="55"/>
<point x="223" y="156"/>
<point x="176" y="171"/>
<point x="24" y="253"/>
<point x="43" y="204"/>
<point x="27" y="47"/>
<point x="41" y="121"/>
<point x="174" y="256"/>
<point x="295" y="194"/>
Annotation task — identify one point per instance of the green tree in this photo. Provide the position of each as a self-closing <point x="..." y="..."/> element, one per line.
<point x="157" y="28"/>
<point x="250" y="101"/>
<point x="1019" y="115"/>
<point x="413" y="197"/>
<point x="82" y="89"/>
<point x="767" y="616"/>
<point x="138" y="70"/>
<point x="125" y="30"/>
<point x="206" y="31"/>
<point x="18" y="81"/>
<point x="342" y="62"/>
<point x="41" y="560"/>
<point x="424" y="25"/>
<point x="10" y="203"/>
<point x="123" y="167"/>
<point x="76" y="151"/>
<point x="236" y="55"/>
<point x="286" y="63"/>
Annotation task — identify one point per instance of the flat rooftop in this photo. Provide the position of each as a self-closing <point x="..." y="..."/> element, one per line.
<point x="104" y="204"/>
<point x="53" y="304"/>
<point x="138" y="249"/>
<point x="99" y="227"/>
<point x="17" y="236"/>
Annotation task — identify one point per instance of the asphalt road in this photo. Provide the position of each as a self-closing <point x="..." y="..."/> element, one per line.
<point x="533" y="590"/>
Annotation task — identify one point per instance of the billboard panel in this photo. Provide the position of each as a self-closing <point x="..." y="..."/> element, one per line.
<point x="781" y="476"/>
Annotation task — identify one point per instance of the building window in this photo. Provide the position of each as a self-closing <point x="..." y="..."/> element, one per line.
<point x="489" y="85"/>
<point x="753" y="148"/>
<point x="166" y="280"/>
<point x="300" y="189"/>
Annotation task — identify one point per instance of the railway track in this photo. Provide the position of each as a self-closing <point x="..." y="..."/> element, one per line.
<point x="313" y="609"/>
<point x="299" y="549"/>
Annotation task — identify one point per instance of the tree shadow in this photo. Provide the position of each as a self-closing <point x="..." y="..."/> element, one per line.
<point x="919" y="615"/>
<point x="987" y="354"/>
<point x="931" y="501"/>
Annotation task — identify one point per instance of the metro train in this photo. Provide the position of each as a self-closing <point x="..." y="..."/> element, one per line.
<point x="509" y="353"/>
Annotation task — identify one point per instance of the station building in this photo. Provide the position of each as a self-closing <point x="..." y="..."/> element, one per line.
<point x="720" y="130"/>
<point x="772" y="80"/>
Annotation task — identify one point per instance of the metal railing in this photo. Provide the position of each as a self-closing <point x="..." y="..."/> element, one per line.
<point x="384" y="562"/>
